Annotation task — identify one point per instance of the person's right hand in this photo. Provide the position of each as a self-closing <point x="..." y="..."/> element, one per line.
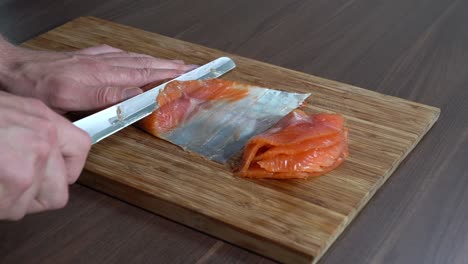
<point x="41" y="153"/>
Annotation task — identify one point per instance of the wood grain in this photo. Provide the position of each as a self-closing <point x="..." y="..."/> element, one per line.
<point x="293" y="221"/>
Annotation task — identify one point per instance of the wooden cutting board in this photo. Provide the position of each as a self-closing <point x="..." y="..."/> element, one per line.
<point x="292" y="221"/>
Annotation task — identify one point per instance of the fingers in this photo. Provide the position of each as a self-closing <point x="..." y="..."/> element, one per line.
<point x="48" y="189"/>
<point x="24" y="202"/>
<point x="120" y="76"/>
<point x="120" y="72"/>
<point x="73" y="142"/>
<point x="74" y="145"/>
<point x="22" y="167"/>
<point x="53" y="189"/>
<point x="148" y="62"/>
<point x="95" y="77"/>
<point x="42" y="153"/>
<point x="120" y="54"/>
<point x="63" y="166"/>
<point x="102" y="96"/>
<point x="124" y="76"/>
<point x="98" y="50"/>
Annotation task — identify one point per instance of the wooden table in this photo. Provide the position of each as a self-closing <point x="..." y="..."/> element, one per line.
<point x="416" y="50"/>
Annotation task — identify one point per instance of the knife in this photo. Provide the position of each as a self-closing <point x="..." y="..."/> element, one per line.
<point x="110" y="120"/>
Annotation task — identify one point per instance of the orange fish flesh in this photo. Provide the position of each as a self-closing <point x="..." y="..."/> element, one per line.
<point x="298" y="146"/>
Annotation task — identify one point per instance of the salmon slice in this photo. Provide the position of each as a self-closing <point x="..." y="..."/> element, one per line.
<point x="316" y="143"/>
<point x="256" y="172"/>
<point x="180" y="100"/>
<point x="298" y="127"/>
<point x="311" y="160"/>
<point x="167" y="117"/>
<point x="298" y="146"/>
<point x="204" y="90"/>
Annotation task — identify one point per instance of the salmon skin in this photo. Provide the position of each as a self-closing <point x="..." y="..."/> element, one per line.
<point x="298" y="146"/>
<point x="215" y="118"/>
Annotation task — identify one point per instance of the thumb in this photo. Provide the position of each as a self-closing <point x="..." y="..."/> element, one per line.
<point x="105" y="96"/>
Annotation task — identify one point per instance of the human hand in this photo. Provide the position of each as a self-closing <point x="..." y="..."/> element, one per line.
<point x="87" y="79"/>
<point x="41" y="153"/>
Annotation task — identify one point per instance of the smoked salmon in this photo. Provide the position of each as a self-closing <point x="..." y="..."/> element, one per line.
<point x="215" y="118"/>
<point x="298" y="146"/>
<point x="179" y="100"/>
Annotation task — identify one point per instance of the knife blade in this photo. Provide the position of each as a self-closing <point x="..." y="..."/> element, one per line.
<point x="112" y="119"/>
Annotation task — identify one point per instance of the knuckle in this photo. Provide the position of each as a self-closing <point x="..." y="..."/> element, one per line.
<point x="89" y="61"/>
<point x="99" y="66"/>
<point x="23" y="180"/>
<point x="60" y="200"/>
<point x="85" y="141"/>
<point x="56" y="99"/>
<point x="73" y="177"/>
<point x="37" y="105"/>
<point x="56" y="82"/>
<point x="76" y="58"/>
<point x="171" y="73"/>
<point x="41" y="149"/>
<point x="144" y="73"/>
<point x="63" y="97"/>
<point x="106" y="95"/>
<point x="49" y="131"/>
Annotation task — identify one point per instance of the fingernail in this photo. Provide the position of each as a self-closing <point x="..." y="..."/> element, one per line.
<point x="131" y="92"/>
<point x="193" y="66"/>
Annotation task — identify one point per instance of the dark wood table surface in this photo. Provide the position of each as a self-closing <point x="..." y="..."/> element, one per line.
<point x="414" y="49"/>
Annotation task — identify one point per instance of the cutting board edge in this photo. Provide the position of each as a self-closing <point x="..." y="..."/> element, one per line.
<point x="195" y="220"/>
<point x="358" y="210"/>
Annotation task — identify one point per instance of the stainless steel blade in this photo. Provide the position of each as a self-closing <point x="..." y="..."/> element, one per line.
<point x="110" y="120"/>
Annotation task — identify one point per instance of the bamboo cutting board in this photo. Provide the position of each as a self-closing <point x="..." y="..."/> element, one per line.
<point x="291" y="221"/>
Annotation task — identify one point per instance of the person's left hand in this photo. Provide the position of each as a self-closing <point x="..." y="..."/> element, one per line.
<point x="87" y="79"/>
